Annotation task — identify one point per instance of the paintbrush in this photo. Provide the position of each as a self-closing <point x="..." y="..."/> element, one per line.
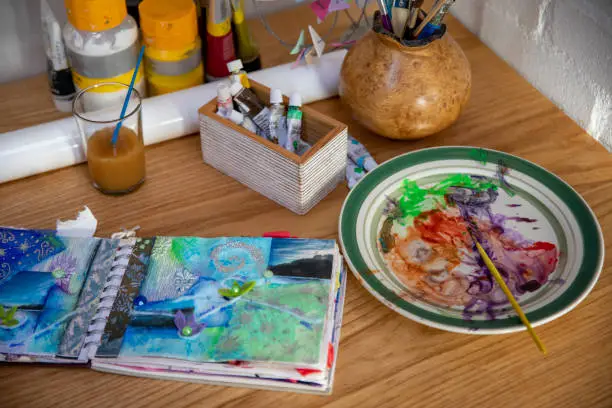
<point x="414" y="14"/>
<point x="506" y="290"/>
<point x="463" y="198"/>
<point x="432" y="13"/>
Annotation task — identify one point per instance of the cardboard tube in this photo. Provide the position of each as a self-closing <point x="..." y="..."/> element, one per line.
<point x="54" y="145"/>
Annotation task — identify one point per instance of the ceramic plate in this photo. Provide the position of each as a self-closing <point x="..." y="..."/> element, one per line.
<point x="407" y="242"/>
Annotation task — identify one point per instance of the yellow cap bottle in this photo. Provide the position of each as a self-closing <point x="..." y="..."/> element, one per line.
<point x="95" y="15"/>
<point x="173" y="59"/>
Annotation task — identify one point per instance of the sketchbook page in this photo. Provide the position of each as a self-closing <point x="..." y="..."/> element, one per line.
<point x="280" y="371"/>
<point x="41" y="277"/>
<point x="89" y="300"/>
<point x="226" y="381"/>
<point x="184" y="312"/>
<point x="243" y="375"/>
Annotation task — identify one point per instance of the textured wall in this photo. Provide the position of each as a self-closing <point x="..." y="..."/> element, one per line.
<point x="563" y="47"/>
<point x="21" y="47"/>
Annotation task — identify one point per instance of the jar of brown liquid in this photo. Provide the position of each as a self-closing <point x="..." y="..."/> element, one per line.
<point x="115" y="168"/>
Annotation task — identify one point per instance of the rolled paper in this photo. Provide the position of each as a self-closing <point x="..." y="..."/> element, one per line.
<point x="58" y="144"/>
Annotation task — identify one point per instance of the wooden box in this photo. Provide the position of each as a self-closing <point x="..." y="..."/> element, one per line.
<point x="297" y="183"/>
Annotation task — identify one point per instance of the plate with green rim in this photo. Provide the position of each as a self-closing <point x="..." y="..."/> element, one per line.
<point x="407" y="231"/>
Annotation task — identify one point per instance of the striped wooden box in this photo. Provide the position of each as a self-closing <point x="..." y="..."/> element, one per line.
<point x="297" y="183"/>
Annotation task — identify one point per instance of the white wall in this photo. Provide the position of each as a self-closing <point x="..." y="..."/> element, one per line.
<point x="21" y="48"/>
<point x="563" y="47"/>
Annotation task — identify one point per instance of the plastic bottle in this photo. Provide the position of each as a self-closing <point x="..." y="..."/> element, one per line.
<point x="224" y="100"/>
<point x="278" y="123"/>
<point x="173" y="58"/>
<point x="102" y="45"/>
<point x="246" y="48"/>
<point x="294" y="123"/>
<point x="60" y="79"/>
<point x="237" y="74"/>
<point x="220" y="45"/>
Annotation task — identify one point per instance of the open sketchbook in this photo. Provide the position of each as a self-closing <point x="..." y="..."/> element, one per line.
<point x="258" y="312"/>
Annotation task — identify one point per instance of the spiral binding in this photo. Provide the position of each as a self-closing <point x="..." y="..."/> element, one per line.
<point x="107" y="296"/>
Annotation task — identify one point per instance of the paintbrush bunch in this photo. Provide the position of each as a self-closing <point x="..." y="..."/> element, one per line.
<point x="406" y="21"/>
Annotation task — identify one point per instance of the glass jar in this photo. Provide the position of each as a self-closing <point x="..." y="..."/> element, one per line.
<point x="115" y="168"/>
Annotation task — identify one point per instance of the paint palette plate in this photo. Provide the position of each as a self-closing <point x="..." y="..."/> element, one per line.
<point x="407" y="241"/>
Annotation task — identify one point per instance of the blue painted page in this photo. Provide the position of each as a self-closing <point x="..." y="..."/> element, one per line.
<point x="41" y="277"/>
<point x="231" y="299"/>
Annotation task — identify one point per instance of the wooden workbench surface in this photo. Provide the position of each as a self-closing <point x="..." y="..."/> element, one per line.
<point x="385" y="360"/>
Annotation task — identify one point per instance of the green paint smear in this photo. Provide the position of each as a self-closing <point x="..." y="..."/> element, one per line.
<point x="415" y="200"/>
<point x="480" y="155"/>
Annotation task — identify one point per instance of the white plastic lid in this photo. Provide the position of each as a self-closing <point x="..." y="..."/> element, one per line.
<point x="223" y="92"/>
<point x="276" y="96"/>
<point x="63" y="105"/>
<point x="235" y="88"/>
<point x="234" y="66"/>
<point x="236" y="117"/>
<point x="295" y="99"/>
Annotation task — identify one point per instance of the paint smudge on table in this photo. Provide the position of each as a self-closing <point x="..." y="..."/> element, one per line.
<point x="426" y="243"/>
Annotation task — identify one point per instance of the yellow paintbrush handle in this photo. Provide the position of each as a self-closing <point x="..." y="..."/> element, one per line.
<point x="506" y="290"/>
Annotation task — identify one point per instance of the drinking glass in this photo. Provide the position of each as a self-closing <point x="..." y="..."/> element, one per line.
<point x="115" y="168"/>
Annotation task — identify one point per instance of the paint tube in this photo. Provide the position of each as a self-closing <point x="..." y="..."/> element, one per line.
<point x="241" y="120"/>
<point x="278" y="122"/>
<point x="220" y="44"/>
<point x="246" y="48"/>
<point x="224" y="100"/>
<point x="360" y="155"/>
<point x="60" y="78"/>
<point x="294" y="123"/>
<point x="237" y="74"/>
<point x="354" y="173"/>
<point x="251" y="106"/>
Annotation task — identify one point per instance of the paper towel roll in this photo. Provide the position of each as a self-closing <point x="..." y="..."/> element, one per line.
<point x="57" y="144"/>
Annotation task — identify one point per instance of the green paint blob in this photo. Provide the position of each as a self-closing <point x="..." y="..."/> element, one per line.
<point x="58" y="273"/>
<point x="415" y="200"/>
<point x="187" y="331"/>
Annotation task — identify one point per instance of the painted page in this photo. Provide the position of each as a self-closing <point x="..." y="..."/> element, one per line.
<point x="41" y="278"/>
<point x="232" y="299"/>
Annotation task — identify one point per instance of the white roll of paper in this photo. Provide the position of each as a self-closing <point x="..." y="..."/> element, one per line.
<point x="57" y="144"/>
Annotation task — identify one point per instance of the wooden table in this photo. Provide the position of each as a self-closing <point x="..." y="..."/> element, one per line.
<point x="384" y="358"/>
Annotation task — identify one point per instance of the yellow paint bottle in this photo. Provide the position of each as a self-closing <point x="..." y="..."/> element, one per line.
<point x="173" y="57"/>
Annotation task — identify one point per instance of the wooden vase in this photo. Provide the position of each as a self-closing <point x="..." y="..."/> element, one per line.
<point x="405" y="92"/>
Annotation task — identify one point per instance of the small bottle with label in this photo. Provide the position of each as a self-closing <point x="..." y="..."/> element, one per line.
<point x="277" y="115"/>
<point x="224" y="100"/>
<point x="237" y="74"/>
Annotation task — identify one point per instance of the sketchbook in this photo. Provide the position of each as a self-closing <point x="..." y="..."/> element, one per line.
<point x="254" y="312"/>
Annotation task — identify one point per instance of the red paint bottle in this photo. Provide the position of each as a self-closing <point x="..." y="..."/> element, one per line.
<point x="220" y="43"/>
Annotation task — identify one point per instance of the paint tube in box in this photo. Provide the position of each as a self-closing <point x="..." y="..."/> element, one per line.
<point x="278" y="122"/>
<point x="250" y="105"/>
<point x="242" y="120"/>
<point x="224" y="100"/>
<point x="359" y="155"/>
<point x="294" y="123"/>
